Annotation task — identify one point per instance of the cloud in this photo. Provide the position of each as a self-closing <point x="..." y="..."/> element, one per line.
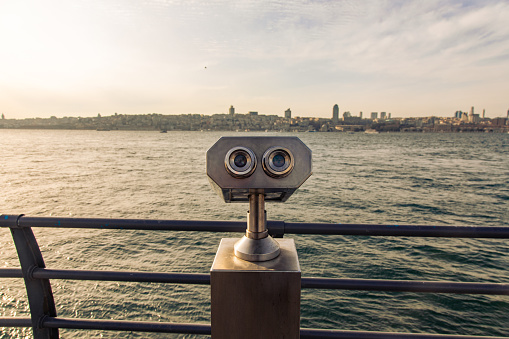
<point x="272" y="51"/>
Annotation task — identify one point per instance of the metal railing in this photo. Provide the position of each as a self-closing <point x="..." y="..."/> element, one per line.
<point x="45" y="323"/>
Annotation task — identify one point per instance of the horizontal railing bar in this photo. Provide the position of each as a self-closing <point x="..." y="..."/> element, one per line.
<point x="124" y="325"/>
<point x="307" y="333"/>
<point x="11" y="273"/>
<point x="278" y="227"/>
<point x="311" y="283"/>
<point x="398" y="230"/>
<point x="406" y="286"/>
<point x="205" y="329"/>
<point x="134" y="224"/>
<point x="15" y="322"/>
<point x="177" y="278"/>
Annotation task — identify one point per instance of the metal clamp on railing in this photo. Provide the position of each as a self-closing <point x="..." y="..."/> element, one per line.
<point x="11" y="221"/>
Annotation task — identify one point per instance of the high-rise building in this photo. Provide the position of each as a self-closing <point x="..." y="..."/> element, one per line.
<point x="471" y="115"/>
<point x="374" y="115"/>
<point x="360" y="115"/>
<point x="288" y="114"/>
<point x="232" y="110"/>
<point x="458" y="114"/>
<point x="390" y="114"/>
<point x="335" y="113"/>
<point x="483" y="113"/>
<point x="464" y="117"/>
<point x="383" y="115"/>
<point x="346" y="115"/>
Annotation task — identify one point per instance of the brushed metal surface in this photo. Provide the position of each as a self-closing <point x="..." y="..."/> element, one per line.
<point x="225" y="259"/>
<point x="253" y="300"/>
<point x="263" y="249"/>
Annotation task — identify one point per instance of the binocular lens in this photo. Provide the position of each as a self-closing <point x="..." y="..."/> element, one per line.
<point x="240" y="162"/>
<point x="278" y="162"/>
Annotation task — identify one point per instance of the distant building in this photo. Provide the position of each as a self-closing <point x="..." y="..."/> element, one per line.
<point x="471" y="115"/>
<point x="483" y="113"/>
<point x="288" y="114"/>
<point x="335" y="114"/>
<point x="499" y="121"/>
<point x="458" y="114"/>
<point x="383" y="115"/>
<point x="232" y="110"/>
<point x="374" y="115"/>
<point x="346" y="115"/>
<point x="360" y="115"/>
<point x="390" y="115"/>
<point x="253" y="113"/>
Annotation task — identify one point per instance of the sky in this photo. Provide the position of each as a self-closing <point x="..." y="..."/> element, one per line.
<point x="410" y="58"/>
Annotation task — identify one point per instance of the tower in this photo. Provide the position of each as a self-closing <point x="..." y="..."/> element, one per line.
<point x="288" y="114"/>
<point x="335" y="114"/>
<point x="232" y="110"/>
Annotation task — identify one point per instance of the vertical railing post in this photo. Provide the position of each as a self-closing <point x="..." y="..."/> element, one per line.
<point x="40" y="296"/>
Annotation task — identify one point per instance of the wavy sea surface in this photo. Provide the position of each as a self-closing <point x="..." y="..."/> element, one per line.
<point x="431" y="179"/>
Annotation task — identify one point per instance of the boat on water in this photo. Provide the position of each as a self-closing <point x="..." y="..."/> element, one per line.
<point x="371" y="131"/>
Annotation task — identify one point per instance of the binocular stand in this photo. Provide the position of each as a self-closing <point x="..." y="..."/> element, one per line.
<point x="255" y="283"/>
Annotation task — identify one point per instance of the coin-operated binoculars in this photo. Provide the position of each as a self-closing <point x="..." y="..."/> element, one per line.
<point x="259" y="296"/>
<point x="256" y="170"/>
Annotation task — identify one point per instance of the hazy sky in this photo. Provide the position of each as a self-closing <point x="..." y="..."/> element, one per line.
<point x="411" y="58"/>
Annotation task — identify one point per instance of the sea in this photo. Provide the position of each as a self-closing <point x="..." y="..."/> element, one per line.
<point x="386" y="178"/>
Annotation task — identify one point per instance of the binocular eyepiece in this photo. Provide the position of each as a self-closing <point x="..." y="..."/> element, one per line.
<point x="278" y="162"/>
<point x="241" y="162"/>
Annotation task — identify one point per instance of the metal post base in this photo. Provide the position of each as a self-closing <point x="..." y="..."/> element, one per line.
<point x="256" y="249"/>
<point x="253" y="300"/>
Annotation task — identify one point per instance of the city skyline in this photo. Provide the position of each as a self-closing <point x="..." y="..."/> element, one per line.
<point x="334" y="115"/>
<point x="409" y="58"/>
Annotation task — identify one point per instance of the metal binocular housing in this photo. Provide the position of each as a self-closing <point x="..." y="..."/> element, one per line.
<point x="272" y="166"/>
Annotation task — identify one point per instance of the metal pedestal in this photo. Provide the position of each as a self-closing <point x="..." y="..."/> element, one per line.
<point x="253" y="300"/>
